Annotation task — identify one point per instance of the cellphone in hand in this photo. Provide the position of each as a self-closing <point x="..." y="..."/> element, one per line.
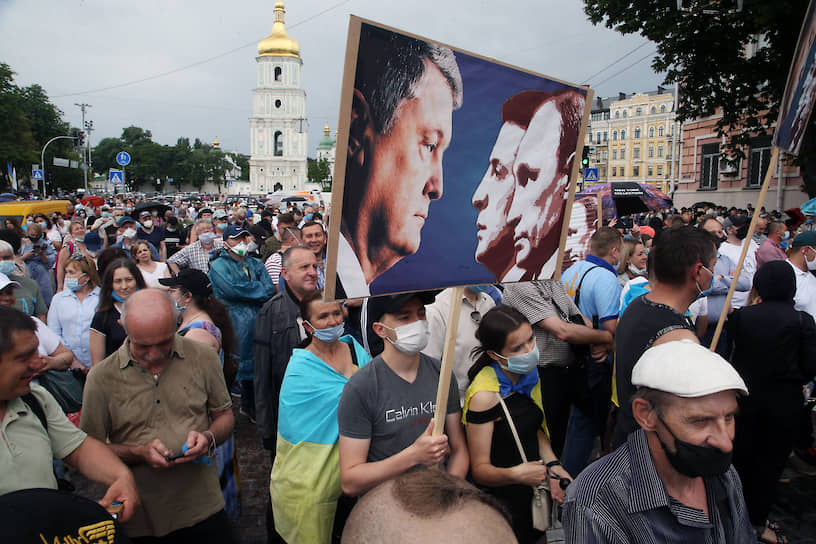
<point x="174" y="457"/>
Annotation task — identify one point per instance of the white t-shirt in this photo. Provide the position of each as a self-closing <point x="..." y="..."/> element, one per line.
<point x="733" y="252"/>
<point x="152" y="278"/>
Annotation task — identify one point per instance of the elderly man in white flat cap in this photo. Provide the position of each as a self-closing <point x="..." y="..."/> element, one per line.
<point x="672" y="480"/>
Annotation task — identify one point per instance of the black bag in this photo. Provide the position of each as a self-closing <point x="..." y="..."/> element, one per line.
<point x="65" y="388"/>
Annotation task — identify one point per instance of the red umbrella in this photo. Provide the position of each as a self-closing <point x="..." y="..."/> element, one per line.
<point x="94" y="201"/>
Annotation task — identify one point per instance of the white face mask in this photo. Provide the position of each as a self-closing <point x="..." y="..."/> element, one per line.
<point x="252" y="246"/>
<point x="411" y="338"/>
<point x="130" y="234"/>
<point x="240" y="249"/>
<point x="147" y="223"/>
<point x="637" y="271"/>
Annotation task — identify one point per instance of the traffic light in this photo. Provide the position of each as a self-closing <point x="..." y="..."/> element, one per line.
<point x="585" y="157"/>
<point x="81" y="139"/>
<point x="75" y="136"/>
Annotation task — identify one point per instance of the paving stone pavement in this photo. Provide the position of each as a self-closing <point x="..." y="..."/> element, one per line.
<point x="795" y="508"/>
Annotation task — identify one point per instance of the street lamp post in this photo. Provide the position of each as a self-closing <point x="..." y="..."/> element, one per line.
<point x="42" y="158"/>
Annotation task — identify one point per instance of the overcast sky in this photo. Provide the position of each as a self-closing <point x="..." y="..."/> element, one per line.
<point x="75" y="49"/>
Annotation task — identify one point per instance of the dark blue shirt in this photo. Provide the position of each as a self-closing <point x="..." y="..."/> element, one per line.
<point x="621" y="499"/>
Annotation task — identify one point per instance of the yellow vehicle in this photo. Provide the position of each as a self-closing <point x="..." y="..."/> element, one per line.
<point x="21" y="210"/>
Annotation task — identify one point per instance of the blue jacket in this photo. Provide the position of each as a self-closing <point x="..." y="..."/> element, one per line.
<point x="243" y="287"/>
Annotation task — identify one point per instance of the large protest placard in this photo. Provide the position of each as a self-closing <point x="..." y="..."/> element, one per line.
<point x="800" y="90"/>
<point x="452" y="169"/>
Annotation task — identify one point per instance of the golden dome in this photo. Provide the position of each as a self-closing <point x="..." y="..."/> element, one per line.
<point x="278" y="43"/>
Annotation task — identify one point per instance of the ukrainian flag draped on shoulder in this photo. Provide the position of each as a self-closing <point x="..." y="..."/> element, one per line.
<point x="486" y="380"/>
<point x="305" y="481"/>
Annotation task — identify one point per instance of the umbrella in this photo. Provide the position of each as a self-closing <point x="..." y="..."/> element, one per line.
<point x="158" y="207"/>
<point x="293" y="199"/>
<point x="703" y="204"/>
<point x="625" y="198"/>
<point x="808" y="208"/>
<point x="93" y="201"/>
<point x="7" y="197"/>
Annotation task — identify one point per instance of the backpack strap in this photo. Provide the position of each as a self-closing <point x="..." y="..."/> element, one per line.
<point x="35" y="406"/>
<point x="580" y="283"/>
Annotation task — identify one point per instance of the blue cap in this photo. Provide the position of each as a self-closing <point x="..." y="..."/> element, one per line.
<point x="125" y="219"/>
<point x="92" y="241"/>
<point x="233" y="231"/>
<point x="807" y="238"/>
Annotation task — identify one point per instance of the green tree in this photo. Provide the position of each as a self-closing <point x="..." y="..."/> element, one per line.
<point x="318" y="170"/>
<point x="703" y="49"/>
<point x="242" y="161"/>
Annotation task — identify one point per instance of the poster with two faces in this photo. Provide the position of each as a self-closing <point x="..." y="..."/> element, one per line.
<point x="452" y="169"/>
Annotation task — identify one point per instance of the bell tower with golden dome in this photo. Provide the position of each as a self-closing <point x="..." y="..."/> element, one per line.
<point x="277" y="128"/>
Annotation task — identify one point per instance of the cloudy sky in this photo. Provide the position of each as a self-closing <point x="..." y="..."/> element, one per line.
<point x="187" y="68"/>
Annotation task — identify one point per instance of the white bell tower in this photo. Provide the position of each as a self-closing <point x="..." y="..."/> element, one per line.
<point x="277" y="128"/>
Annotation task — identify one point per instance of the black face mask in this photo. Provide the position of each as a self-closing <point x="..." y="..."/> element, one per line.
<point x="742" y="232"/>
<point x="694" y="461"/>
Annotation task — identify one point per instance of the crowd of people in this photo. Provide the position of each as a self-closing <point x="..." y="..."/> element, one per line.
<point x="136" y="327"/>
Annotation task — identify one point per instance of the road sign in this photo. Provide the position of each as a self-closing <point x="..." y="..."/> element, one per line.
<point x="591" y="174"/>
<point x="123" y="158"/>
<point x="115" y="177"/>
<point x="37" y="175"/>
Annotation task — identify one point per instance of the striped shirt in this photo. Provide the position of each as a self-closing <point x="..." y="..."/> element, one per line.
<point x="538" y="300"/>
<point x="621" y="499"/>
<point x="195" y="256"/>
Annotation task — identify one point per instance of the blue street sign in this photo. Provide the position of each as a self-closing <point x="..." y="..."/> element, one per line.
<point x="169" y="180"/>
<point x="37" y="175"/>
<point x="115" y="177"/>
<point x="591" y="174"/>
<point x="123" y="158"/>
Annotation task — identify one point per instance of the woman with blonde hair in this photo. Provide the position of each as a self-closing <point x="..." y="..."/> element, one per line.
<point x="632" y="261"/>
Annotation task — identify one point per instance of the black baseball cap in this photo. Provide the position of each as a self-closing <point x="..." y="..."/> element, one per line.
<point x="387" y="304"/>
<point x="192" y="280"/>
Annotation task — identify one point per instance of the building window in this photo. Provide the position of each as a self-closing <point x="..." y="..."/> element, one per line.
<point x="625" y="114"/>
<point x="622" y="171"/>
<point x="637" y="132"/>
<point x="636" y="171"/>
<point x="278" y="73"/>
<point x="590" y="137"/>
<point x="650" y="170"/>
<point x="660" y="151"/>
<point x="654" y="110"/>
<point x="614" y="154"/>
<point x="651" y="152"/>
<point x="639" y="112"/>
<point x="278" y="103"/>
<point x="617" y="114"/>
<point x="596" y="116"/>
<point x="606" y="134"/>
<point x="278" y="143"/>
<point x="614" y="171"/>
<point x="758" y="160"/>
<point x="709" y="164"/>
<point x="623" y="153"/>
<point x="663" y="108"/>
<point x="623" y="134"/>
<point x="598" y="137"/>
<point x="651" y="132"/>
<point x="660" y="130"/>
<point x="605" y="154"/>
<point x="636" y="153"/>
<point x="672" y="129"/>
<point x="606" y="115"/>
<point x="614" y="135"/>
<point x="659" y="169"/>
<point x="603" y="171"/>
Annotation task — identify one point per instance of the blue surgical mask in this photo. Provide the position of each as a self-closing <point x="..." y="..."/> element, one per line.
<point x="521" y="364"/>
<point x="787" y="235"/>
<point x="221" y="226"/>
<point x="105" y="214"/>
<point x="7" y="267"/>
<point x="328" y="335"/>
<point x="116" y="297"/>
<point x="784" y="244"/>
<point x="710" y="287"/>
<point x="179" y="309"/>
<point x="72" y="284"/>
<point x="309" y="216"/>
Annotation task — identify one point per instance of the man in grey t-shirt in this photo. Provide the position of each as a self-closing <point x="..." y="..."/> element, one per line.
<point x="386" y="410"/>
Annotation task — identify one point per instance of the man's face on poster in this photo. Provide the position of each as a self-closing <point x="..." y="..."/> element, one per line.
<point x="539" y="191"/>
<point x="406" y="167"/>
<point x="494" y="195"/>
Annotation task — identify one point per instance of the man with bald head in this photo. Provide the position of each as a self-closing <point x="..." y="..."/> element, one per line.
<point x="427" y="506"/>
<point x="162" y="404"/>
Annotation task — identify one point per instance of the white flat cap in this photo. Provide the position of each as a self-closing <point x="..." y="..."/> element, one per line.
<point x="686" y="369"/>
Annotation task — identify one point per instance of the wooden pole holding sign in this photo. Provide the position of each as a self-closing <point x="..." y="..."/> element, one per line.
<point x="745" y="245"/>
<point x="447" y="361"/>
